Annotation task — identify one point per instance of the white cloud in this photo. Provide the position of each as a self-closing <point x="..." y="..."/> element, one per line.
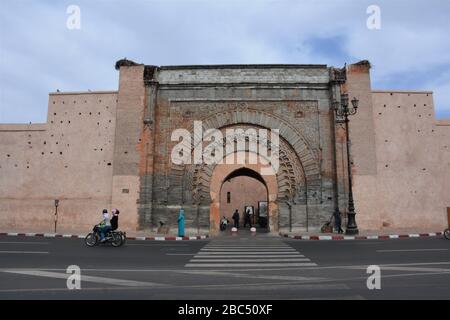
<point x="39" y="54"/>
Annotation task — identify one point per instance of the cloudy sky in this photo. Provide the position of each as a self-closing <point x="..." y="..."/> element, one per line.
<point x="39" y="54"/>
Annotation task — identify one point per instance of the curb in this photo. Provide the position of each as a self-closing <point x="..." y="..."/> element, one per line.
<point x="379" y="237"/>
<point x="55" y="235"/>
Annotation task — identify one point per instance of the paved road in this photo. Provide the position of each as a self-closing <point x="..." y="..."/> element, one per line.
<point x="261" y="267"/>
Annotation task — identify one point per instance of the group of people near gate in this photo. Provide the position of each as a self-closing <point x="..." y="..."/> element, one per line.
<point x="248" y="217"/>
<point x="110" y="224"/>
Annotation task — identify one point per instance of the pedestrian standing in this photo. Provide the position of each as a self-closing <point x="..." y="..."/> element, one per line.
<point x="235" y="218"/>
<point x="337" y="221"/>
<point x="181" y="223"/>
<point x="247" y="218"/>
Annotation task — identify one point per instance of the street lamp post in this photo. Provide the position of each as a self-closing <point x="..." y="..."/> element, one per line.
<point x="343" y="110"/>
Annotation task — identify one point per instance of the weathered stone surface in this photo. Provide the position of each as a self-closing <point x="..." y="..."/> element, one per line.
<point x="112" y="149"/>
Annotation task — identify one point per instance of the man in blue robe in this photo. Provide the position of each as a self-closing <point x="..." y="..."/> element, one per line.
<point x="181" y="223"/>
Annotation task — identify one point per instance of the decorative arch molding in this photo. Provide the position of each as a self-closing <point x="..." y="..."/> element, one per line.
<point x="242" y="114"/>
<point x="290" y="175"/>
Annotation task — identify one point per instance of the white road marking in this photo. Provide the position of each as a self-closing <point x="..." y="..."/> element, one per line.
<point x="56" y="275"/>
<point x="106" y="269"/>
<point x="272" y="285"/>
<point x="247" y="253"/>
<point x="253" y="276"/>
<point x="247" y="256"/>
<point x="159" y="244"/>
<point x="247" y="247"/>
<point x="229" y="265"/>
<point x="404" y="268"/>
<point x="100" y="289"/>
<point x="250" y="260"/>
<point x="386" y="265"/>
<point x="24" y="252"/>
<point x="413" y="250"/>
<point x="180" y="254"/>
<point x="21" y="242"/>
<point x="296" y="286"/>
<point x="247" y="250"/>
<point x="416" y="269"/>
<point x="237" y="286"/>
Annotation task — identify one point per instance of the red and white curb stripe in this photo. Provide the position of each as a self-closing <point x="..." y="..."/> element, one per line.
<point x="54" y="235"/>
<point x="168" y="238"/>
<point x="380" y="237"/>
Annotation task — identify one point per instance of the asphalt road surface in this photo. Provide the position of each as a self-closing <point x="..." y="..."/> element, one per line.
<point x="263" y="267"/>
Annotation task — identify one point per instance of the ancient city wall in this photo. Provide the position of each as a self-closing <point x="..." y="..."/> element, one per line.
<point x="112" y="149"/>
<point x="443" y="133"/>
<point x="69" y="158"/>
<point x="400" y="159"/>
<point x="410" y="174"/>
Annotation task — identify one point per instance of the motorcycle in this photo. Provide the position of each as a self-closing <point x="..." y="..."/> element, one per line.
<point x="116" y="238"/>
<point x="447" y="234"/>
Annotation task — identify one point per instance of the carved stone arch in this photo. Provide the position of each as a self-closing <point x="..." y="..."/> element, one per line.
<point x="290" y="176"/>
<point x="242" y="114"/>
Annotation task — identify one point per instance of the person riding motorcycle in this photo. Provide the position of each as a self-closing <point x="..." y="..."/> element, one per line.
<point x="104" y="226"/>
<point x="115" y="219"/>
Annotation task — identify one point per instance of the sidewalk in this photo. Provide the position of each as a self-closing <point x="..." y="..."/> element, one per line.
<point x="365" y="234"/>
<point x="131" y="235"/>
<point x="148" y="235"/>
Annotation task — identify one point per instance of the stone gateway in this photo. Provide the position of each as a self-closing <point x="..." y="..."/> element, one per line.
<point x="114" y="149"/>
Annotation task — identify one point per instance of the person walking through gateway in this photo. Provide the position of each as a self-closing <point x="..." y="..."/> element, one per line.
<point x="236" y="218"/>
<point x="247" y="218"/>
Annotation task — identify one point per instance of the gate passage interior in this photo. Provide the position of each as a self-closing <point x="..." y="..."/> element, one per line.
<point x="245" y="190"/>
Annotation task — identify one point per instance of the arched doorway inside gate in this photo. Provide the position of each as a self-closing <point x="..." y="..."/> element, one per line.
<point x="224" y="172"/>
<point x="246" y="191"/>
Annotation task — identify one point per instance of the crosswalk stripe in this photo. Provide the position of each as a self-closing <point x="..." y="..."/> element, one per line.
<point x="247" y="247"/>
<point x="251" y="260"/>
<point x="219" y="265"/>
<point x="249" y="253"/>
<point x="246" y="256"/>
<point x="247" y="250"/>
